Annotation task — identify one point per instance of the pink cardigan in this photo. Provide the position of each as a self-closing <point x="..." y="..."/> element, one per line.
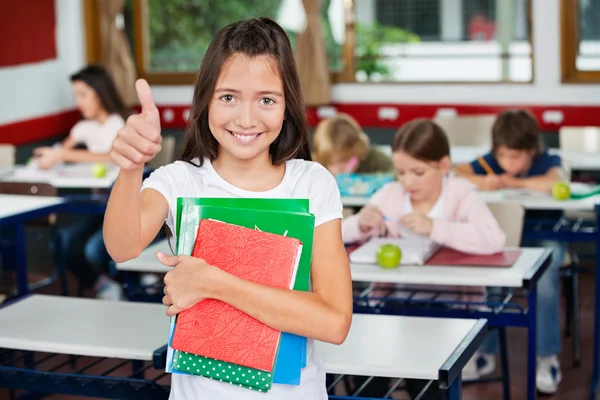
<point x="469" y="225"/>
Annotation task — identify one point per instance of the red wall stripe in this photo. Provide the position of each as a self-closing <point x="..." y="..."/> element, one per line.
<point x="32" y="130"/>
<point x="27" y="31"/>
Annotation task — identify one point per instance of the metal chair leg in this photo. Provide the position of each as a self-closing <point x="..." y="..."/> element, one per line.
<point x="575" y="312"/>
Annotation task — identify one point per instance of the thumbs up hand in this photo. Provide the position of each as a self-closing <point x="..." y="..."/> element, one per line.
<point x="139" y="140"/>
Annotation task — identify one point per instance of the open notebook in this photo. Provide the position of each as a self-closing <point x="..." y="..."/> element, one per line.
<point x="415" y="250"/>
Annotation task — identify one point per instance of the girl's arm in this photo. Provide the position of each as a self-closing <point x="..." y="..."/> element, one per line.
<point x="379" y="202"/>
<point x="68" y="143"/>
<point x="134" y="217"/>
<point x="477" y="233"/>
<point x="542" y="183"/>
<point x="324" y="314"/>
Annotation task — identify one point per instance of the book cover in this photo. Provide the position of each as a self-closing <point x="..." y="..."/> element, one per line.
<point x="217" y="330"/>
<point x="248" y="378"/>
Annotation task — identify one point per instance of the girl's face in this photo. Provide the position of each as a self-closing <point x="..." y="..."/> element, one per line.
<point x="86" y="100"/>
<point x="247" y="109"/>
<point x="422" y="179"/>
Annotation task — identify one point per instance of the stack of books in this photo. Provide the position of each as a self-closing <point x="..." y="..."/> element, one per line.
<point x="267" y="241"/>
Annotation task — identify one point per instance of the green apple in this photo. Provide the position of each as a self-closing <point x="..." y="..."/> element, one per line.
<point x="99" y="170"/>
<point x="561" y="191"/>
<point x="388" y="256"/>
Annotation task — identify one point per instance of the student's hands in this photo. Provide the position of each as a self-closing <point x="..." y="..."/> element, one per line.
<point x="190" y="281"/>
<point x="47" y="157"/>
<point x="492" y="182"/>
<point x="369" y="217"/>
<point x="511" y="181"/>
<point x="139" y="140"/>
<point x="418" y="223"/>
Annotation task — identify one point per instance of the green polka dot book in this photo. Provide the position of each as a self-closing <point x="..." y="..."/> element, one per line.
<point x="233" y="374"/>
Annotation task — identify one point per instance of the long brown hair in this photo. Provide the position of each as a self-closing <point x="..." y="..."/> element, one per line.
<point x="98" y="78"/>
<point x="253" y="37"/>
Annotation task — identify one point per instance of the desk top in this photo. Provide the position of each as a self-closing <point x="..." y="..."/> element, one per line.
<point x="69" y="325"/>
<point x="399" y="347"/>
<point x="147" y="261"/>
<point x="530" y="260"/>
<point x="71" y="176"/>
<point x="408" y="347"/>
<point x="12" y="205"/>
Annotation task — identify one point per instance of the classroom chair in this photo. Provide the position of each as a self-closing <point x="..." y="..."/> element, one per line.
<point x="37" y="189"/>
<point x="579" y="138"/>
<point x="7" y="155"/>
<point x="468" y="130"/>
<point x="510" y="218"/>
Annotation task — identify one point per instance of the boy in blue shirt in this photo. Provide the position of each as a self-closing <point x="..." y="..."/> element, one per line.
<point x="517" y="160"/>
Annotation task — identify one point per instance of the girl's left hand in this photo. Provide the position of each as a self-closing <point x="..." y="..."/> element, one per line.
<point x="48" y="157"/>
<point x="190" y="281"/>
<point x="418" y="223"/>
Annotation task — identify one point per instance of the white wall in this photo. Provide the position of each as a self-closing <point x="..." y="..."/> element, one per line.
<point x="546" y="89"/>
<point x="38" y="89"/>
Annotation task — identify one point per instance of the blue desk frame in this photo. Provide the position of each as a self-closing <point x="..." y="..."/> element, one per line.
<point x="17" y="222"/>
<point x="499" y="310"/>
<point x="574" y="231"/>
<point x="48" y="379"/>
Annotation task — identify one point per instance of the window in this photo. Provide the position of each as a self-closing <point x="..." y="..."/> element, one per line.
<point x="443" y="41"/>
<point x="365" y="40"/>
<point x="580" y="36"/>
<point x="171" y="37"/>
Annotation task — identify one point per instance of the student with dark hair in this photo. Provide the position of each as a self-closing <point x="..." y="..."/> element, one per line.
<point x="425" y="202"/>
<point x="104" y="113"/>
<point x="247" y="137"/>
<point x="518" y="160"/>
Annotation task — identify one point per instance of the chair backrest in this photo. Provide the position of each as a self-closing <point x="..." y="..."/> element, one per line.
<point x="166" y="154"/>
<point x="470" y="130"/>
<point x="579" y="138"/>
<point x="7" y="155"/>
<point x="510" y="218"/>
<point x="28" y="188"/>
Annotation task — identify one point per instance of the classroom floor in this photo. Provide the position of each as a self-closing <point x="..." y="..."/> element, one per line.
<point x="575" y="384"/>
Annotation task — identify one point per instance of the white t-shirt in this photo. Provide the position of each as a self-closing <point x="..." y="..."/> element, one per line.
<point x="302" y="179"/>
<point x="97" y="137"/>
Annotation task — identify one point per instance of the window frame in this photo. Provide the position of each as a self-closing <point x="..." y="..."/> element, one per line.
<point x="344" y="75"/>
<point x="569" y="38"/>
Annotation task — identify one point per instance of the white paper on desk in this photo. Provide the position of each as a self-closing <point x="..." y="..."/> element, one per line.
<point x="509" y="193"/>
<point x="415" y="250"/>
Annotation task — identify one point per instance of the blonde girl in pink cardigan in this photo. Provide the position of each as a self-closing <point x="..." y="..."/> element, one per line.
<point x="426" y="200"/>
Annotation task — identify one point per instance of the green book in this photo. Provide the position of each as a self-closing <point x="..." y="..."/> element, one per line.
<point x="269" y="215"/>
<point x="248" y="378"/>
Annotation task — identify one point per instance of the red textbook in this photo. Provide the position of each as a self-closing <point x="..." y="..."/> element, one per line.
<point x="450" y="257"/>
<point x="217" y="330"/>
